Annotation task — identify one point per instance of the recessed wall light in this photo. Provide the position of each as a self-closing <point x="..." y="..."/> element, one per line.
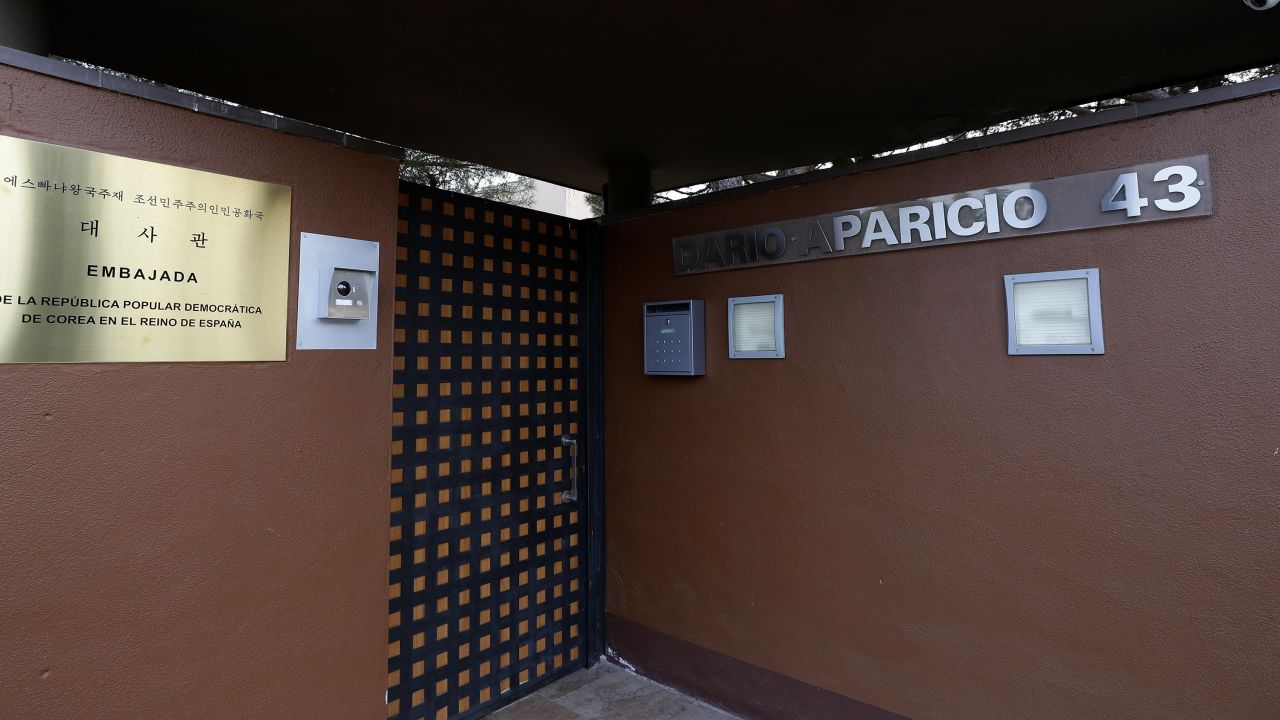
<point x="1054" y="313"/>
<point x="755" y="327"/>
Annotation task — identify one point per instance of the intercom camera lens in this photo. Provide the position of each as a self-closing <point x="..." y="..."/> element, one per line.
<point x="344" y="288"/>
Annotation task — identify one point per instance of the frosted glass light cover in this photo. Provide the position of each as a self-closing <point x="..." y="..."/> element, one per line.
<point x="753" y="327"/>
<point x="1052" y="312"/>
<point x="756" y="328"/>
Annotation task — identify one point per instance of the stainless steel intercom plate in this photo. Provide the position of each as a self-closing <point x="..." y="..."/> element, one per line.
<point x="333" y="315"/>
<point x="346" y="296"/>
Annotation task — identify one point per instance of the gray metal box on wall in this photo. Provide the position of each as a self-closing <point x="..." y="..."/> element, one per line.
<point x="337" y="293"/>
<point x="674" y="342"/>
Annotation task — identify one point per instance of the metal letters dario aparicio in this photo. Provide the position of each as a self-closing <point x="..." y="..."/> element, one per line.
<point x="1165" y="190"/>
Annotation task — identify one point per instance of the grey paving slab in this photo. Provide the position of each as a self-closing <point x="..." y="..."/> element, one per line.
<point x="701" y="711"/>
<point x="535" y="707"/>
<point x="568" y="684"/>
<point x="608" y="692"/>
<point x="629" y="704"/>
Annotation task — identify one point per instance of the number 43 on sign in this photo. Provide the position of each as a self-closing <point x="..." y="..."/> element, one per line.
<point x="1125" y="195"/>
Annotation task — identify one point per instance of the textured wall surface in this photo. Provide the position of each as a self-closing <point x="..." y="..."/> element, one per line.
<point x="199" y="540"/>
<point x="901" y="513"/>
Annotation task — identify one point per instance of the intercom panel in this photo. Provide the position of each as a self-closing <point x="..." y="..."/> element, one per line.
<point x="346" y="295"/>
<point x="337" y="293"/>
<point x="674" y="341"/>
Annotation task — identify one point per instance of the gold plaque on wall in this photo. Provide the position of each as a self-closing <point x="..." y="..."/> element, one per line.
<point x="110" y="259"/>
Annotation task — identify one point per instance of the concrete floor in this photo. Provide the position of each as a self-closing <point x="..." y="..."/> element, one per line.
<point x="608" y="692"/>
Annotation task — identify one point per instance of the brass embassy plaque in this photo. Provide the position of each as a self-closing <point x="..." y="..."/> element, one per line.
<point x="109" y="259"/>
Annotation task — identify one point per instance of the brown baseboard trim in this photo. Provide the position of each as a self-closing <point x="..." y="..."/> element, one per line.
<point x="727" y="682"/>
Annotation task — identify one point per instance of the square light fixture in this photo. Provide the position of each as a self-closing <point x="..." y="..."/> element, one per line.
<point x="755" y="327"/>
<point x="1054" y="313"/>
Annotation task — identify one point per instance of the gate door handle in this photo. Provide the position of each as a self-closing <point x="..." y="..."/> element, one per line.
<point x="569" y="441"/>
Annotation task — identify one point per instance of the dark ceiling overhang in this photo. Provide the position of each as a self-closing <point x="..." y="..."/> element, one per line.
<point x="697" y="90"/>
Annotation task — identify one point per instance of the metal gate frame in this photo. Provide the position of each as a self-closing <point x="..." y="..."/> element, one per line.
<point x="593" y="244"/>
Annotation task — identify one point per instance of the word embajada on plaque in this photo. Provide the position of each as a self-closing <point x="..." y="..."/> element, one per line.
<point x="111" y="259"/>
<point x="1166" y="190"/>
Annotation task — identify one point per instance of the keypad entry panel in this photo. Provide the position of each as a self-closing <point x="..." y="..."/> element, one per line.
<point x="673" y="338"/>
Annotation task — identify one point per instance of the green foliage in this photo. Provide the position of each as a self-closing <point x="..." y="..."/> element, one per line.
<point x="493" y="184"/>
<point x="1026" y="121"/>
<point x="467" y="178"/>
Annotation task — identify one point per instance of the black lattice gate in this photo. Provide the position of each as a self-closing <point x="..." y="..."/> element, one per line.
<point x="488" y="561"/>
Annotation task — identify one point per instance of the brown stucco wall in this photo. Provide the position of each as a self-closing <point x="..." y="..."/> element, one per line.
<point x="901" y="513"/>
<point x="199" y="540"/>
